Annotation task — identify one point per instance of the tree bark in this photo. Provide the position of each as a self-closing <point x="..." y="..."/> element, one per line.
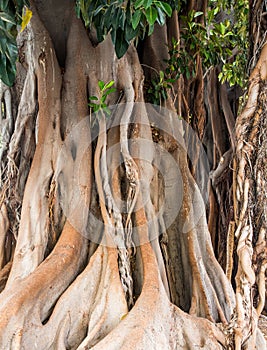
<point x="91" y="253"/>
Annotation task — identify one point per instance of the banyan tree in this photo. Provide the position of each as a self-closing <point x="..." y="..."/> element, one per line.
<point x="133" y="174"/>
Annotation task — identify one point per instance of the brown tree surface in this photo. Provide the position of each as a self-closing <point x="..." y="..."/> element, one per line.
<point x="108" y="239"/>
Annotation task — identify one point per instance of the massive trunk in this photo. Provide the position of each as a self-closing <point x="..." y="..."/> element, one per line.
<point x="95" y="252"/>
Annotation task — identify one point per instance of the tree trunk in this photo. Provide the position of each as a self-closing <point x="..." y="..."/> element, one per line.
<point x="104" y="241"/>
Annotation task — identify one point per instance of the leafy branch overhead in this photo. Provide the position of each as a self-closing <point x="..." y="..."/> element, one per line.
<point x="222" y="43"/>
<point x="218" y="43"/>
<point x="222" y="40"/>
<point x="11" y="17"/>
<point x="124" y="20"/>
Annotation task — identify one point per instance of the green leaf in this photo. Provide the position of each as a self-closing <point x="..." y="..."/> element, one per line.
<point x="102" y="100"/>
<point x="160" y="17"/>
<point x="2" y="26"/>
<point x="138" y="3"/>
<point x="147" y="4"/>
<point x="121" y="44"/>
<point x="20" y="4"/>
<point x="130" y="33"/>
<point x="107" y="111"/>
<point x="187" y="73"/>
<point x="10" y="18"/>
<point x="161" y="75"/>
<point x="150" y="29"/>
<point x="108" y="85"/>
<point x="3" y="5"/>
<point x="7" y="71"/>
<point x="220" y="76"/>
<point x="151" y="15"/>
<point x="12" y="52"/>
<point x="109" y="91"/>
<point x="101" y="85"/>
<point x="96" y="108"/>
<point x="197" y="14"/>
<point x="78" y="9"/>
<point x="9" y="52"/>
<point x="222" y="28"/>
<point x="120" y="19"/>
<point x="121" y="47"/>
<point x="6" y="18"/>
<point x="166" y="8"/>
<point x="136" y="18"/>
<point x="93" y="98"/>
<point x="113" y="34"/>
<point x="100" y="28"/>
<point x="92" y="105"/>
<point x="98" y="9"/>
<point x="107" y="23"/>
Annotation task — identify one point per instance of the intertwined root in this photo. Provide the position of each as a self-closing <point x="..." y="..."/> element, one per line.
<point x="250" y="205"/>
<point x="61" y="291"/>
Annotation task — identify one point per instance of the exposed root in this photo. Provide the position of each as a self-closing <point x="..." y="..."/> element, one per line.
<point x="251" y="207"/>
<point x="145" y="282"/>
<point x="164" y="326"/>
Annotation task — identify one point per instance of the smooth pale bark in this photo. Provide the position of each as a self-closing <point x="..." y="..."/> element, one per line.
<point x="134" y="285"/>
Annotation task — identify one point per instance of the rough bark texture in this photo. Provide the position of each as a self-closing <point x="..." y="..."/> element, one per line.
<point x="250" y="208"/>
<point x="130" y="279"/>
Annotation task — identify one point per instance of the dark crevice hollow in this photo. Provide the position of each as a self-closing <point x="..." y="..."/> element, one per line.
<point x="57" y="23"/>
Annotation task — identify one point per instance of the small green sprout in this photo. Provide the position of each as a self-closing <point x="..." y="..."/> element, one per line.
<point x="98" y="104"/>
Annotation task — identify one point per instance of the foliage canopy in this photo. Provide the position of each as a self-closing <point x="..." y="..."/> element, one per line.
<point x="221" y="38"/>
<point x="130" y="19"/>
<point x="11" y="16"/>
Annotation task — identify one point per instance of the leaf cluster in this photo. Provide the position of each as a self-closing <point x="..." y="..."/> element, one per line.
<point x="98" y="104"/>
<point x="223" y="43"/>
<point x="179" y="63"/>
<point x="235" y="69"/>
<point x="158" y="90"/>
<point x="10" y="18"/>
<point x="124" y="20"/>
